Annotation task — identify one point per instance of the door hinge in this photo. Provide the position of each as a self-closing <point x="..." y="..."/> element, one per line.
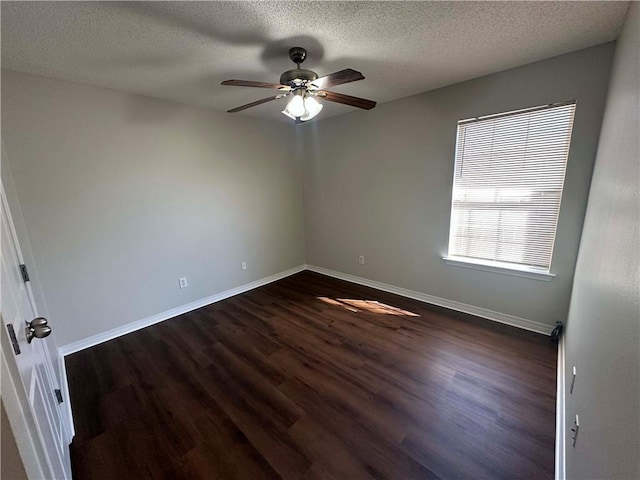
<point x="14" y="340"/>
<point x="58" y="395"/>
<point x="24" y="272"/>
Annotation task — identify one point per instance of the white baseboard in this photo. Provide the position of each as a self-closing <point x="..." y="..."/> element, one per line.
<point x="174" y="312"/>
<point x="560" y="415"/>
<point x="441" y="302"/>
<point x="423" y="297"/>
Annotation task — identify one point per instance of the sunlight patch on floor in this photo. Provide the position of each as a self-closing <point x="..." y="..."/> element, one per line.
<point x="371" y="306"/>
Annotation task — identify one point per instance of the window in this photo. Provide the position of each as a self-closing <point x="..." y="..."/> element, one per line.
<point x="507" y="186"/>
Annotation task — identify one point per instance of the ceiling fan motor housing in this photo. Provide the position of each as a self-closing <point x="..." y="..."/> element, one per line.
<point x="297" y="77"/>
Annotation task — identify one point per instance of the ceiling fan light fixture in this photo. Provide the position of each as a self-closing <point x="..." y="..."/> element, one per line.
<point x="312" y="108"/>
<point x="284" y="112"/>
<point x="296" y="107"/>
<point x="302" y="106"/>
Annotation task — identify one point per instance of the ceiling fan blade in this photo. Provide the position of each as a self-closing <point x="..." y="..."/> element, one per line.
<point x="253" y="104"/>
<point x="249" y="83"/>
<point x="349" y="100"/>
<point x="338" y="78"/>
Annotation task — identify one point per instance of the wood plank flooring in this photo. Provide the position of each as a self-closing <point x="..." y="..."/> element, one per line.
<point x="315" y="378"/>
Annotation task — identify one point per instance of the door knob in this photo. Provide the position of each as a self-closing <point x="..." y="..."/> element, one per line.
<point x="37" y="328"/>
<point x="38" y="322"/>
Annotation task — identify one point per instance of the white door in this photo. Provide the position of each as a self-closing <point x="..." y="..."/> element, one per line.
<point x="36" y="361"/>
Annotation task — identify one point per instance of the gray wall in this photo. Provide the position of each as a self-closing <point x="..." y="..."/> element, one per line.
<point x="123" y="194"/>
<point x="378" y="183"/>
<point x="602" y="337"/>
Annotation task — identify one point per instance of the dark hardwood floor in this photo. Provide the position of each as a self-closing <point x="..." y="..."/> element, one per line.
<point x="315" y="378"/>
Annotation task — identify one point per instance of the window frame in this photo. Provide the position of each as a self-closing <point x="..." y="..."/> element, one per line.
<point x="495" y="266"/>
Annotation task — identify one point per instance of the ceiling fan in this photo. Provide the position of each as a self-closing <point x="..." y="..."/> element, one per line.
<point x="305" y="88"/>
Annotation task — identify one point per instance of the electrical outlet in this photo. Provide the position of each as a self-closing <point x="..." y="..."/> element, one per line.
<point x="182" y="281"/>
<point x="361" y="259"/>
<point x="243" y="266"/>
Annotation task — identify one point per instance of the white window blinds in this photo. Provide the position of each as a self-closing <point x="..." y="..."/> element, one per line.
<point x="507" y="187"/>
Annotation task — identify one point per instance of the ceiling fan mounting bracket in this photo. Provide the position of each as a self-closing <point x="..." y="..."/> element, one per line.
<point x="297" y="55"/>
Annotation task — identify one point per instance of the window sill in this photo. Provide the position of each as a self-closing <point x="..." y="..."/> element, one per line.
<point x="498" y="267"/>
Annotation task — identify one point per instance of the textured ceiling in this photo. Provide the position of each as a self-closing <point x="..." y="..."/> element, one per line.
<point x="181" y="51"/>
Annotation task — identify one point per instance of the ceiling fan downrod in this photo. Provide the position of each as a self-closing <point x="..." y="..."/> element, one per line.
<point x="298" y="76"/>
